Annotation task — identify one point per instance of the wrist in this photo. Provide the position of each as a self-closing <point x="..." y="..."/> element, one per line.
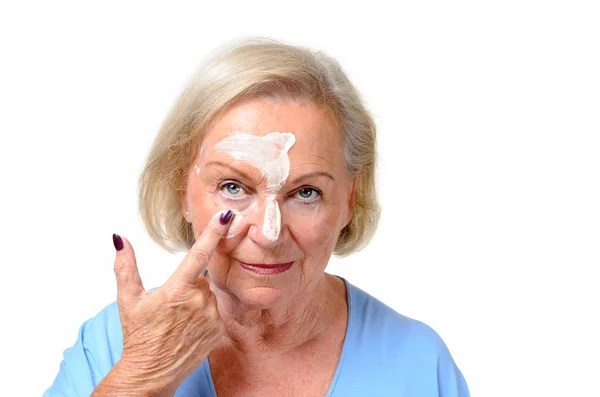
<point x="127" y="379"/>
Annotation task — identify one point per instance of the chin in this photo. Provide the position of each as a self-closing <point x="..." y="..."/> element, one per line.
<point x="262" y="297"/>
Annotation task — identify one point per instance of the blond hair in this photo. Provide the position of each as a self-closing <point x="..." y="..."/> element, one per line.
<point x="240" y="71"/>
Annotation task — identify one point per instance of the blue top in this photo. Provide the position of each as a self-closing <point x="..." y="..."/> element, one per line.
<point x="384" y="354"/>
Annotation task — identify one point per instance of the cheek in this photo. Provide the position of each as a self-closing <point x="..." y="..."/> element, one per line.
<point x="241" y="214"/>
<point x="314" y="229"/>
<point x="201" y="205"/>
<point x="204" y="202"/>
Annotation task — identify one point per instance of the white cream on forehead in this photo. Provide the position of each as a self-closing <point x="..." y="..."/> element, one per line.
<point x="269" y="154"/>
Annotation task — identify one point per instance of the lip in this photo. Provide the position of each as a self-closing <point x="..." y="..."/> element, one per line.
<point x="267" y="268"/>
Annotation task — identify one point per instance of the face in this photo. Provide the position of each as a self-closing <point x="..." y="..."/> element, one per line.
<point x="278" y="164"/>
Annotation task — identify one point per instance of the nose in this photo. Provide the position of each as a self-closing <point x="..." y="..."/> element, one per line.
<point x="265" y="229"/>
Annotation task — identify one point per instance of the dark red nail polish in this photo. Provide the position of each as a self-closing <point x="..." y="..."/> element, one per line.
<point x="226" y="217"/>
<point x="118" y="242"/>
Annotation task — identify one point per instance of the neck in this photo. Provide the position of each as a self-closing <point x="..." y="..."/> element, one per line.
<point x="285" y="326"/>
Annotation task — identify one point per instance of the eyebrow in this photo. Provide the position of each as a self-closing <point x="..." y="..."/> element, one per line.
<point x="297" y="180"/>
<point x="313" y="174"/>
<point x="219" y="163"/>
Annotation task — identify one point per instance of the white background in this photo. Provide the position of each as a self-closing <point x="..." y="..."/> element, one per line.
<point x="489" y="171"/>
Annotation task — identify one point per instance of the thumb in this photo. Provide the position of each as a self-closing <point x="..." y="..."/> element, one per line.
<point x="129" y="283"/>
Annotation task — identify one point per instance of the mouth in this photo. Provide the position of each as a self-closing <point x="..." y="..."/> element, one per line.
<point x="267" y="268"/>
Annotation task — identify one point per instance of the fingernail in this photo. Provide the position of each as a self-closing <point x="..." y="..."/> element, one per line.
<point x="226" y="217"/>
<point x="118" y="242"/>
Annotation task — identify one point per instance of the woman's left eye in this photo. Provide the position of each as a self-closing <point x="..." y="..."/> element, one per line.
<point x="307" y="193"/>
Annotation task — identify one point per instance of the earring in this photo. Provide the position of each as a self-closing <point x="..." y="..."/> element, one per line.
<point x="187" y="212"/>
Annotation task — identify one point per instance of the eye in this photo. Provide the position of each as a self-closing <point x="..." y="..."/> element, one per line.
<point x="231" y="189"/>
<point x="307" y="194"/>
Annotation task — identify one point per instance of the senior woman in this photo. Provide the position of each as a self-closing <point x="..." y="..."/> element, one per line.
<point x="262" y="170"/>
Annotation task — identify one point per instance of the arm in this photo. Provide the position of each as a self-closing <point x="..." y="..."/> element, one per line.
<point x="82" y="374"/>
<point x="63" y="384"/>
<point x="78" y="370"/>
<point x="122" y="381"/>
<point x="450" y="380"/>
<point x="154" y="331"/>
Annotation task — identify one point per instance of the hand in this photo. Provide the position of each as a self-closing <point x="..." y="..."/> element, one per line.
<point x="168" y="332"/>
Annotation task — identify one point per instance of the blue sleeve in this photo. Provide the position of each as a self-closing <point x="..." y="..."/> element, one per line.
<point x="86" y="363"/>
<point x="451" y="382"/>
<point x="432" y="364"/>
<point x="78" y="372"/>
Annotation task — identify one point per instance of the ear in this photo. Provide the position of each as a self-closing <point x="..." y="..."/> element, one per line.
<point x="184" y="206"/>
<point x="185" y="209"/>
<point x="351" y="202"/>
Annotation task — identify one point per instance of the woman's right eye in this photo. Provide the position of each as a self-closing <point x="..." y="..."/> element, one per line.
<point x="232" y="189"/>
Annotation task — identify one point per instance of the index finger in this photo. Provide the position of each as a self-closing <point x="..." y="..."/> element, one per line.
<point x="197" y="258"/>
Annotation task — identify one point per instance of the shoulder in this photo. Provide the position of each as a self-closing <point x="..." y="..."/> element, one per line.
<point x="103" y="336"/>
<point x="98" y="347"/>
<point x="403" y="353"/>
<point x="373" y="316"/>
<point x="100" y="342"/>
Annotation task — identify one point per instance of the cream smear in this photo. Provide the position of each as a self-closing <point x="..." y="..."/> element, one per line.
<point x="272" y="221"/>
<point x="269" y="154"/>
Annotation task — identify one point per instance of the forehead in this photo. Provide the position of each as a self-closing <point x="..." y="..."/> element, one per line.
<point x="316" y="132"/>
